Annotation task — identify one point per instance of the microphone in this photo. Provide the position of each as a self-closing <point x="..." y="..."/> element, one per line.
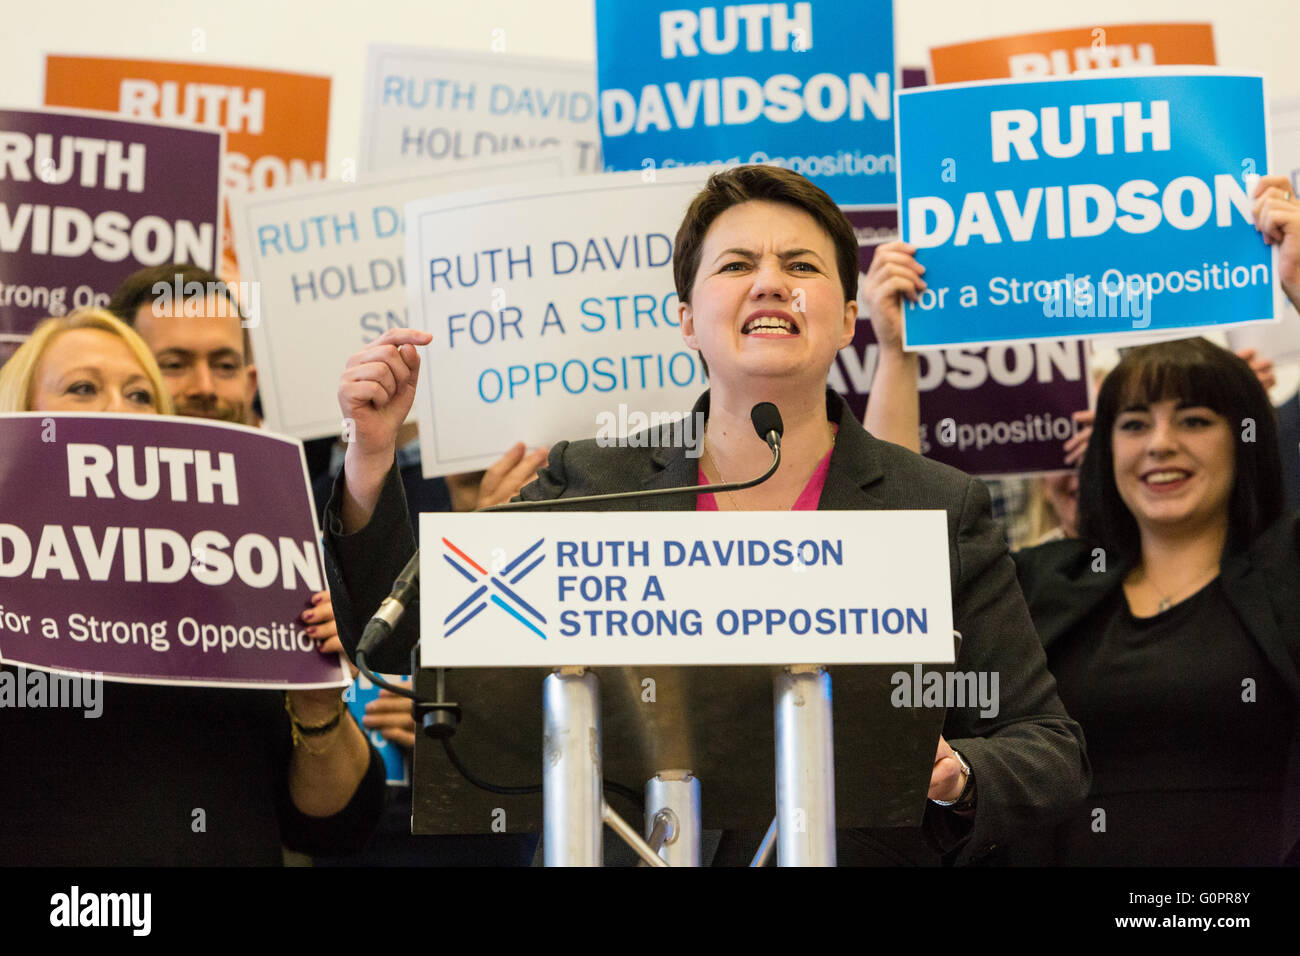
<point x="767" y="424"/>
<point x="385" y="620"/>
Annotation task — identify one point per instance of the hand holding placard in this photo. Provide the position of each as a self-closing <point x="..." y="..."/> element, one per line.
<point x="1077" y="444"/>
<point x="1261" y="365"/>
<point x="894" y="274"/>
<point x="511" y="472"/>
<point x="1277" y="217"/>
<point x="321" y="628"/>
<point x="391" y="716"/>
<point x="893" y="410"/>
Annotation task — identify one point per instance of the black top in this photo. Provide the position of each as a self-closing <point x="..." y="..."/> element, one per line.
<point x="124" y="788"/>
<point x="1188" y="761"/>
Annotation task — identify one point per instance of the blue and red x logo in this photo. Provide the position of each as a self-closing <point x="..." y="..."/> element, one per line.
<point x="469" y="608"/>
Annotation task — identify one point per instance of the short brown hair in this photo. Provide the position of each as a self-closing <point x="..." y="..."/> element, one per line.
<point x="138" y="289"/>
<point x="771" y="184"/>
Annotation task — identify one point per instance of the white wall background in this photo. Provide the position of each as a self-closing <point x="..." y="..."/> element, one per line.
<point x="330" y="36"/>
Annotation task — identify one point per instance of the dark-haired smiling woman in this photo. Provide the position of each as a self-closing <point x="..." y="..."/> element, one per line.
<point x="1172" y="624"/>
<point x="766" y="272"/>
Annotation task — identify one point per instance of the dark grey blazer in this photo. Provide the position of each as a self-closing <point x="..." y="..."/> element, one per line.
<point x="1028" y="762"/>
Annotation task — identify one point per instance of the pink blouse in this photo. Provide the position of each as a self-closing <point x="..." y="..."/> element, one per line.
<point x="807" y="500"/>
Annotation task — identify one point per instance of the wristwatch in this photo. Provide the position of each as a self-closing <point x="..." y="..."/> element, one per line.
<point x="966" y="799"/>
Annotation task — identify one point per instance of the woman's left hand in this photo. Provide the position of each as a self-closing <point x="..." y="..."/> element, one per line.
<point x="1277" y="217"/>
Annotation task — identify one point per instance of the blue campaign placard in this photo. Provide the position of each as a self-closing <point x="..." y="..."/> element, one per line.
<point x="1084" y="206"/>
<point x="359" y="693"/>
<point x="808" y="86"/>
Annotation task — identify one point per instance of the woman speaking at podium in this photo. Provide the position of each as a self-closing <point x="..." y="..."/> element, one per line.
<point x="766" y="269"/>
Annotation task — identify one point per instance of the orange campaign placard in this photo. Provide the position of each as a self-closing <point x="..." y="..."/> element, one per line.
<point x="276" y="123"/>
<point x="1064" y="52"/>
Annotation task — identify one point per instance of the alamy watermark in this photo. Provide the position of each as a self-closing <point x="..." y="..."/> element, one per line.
<point x="81" y="909"/>
<point x="1117" y="294"/>
<point x="1113" y="296"/>
<point x="637" y="429"/>
<point x="35" y="688"/>
<point x="179" y="297"/>
<point x="919" y="688"/>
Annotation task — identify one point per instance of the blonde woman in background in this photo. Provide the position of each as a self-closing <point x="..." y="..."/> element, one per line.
<point x="160" y="751"/>
<point x="87" y="361"/>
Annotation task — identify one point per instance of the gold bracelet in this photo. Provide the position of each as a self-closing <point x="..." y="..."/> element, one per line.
<point x="301" y="731"/>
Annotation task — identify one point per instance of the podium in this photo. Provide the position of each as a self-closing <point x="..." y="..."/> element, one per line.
<point x="847" y="757"/>
<point x="640" y="674"/>
<point x="716" y="722"/>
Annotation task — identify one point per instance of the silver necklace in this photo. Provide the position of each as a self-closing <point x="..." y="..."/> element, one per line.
<point x="1166" y="599"/>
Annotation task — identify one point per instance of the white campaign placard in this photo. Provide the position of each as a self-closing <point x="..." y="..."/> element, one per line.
<point x="552" y="308"/>
<point x="325" y="274"/>
<point x="684" y="588"/>
<point x="1280" y="341"/>
<point x="425" y="107"/>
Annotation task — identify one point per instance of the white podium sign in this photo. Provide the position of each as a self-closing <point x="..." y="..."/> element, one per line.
<point x="684" y="588"/>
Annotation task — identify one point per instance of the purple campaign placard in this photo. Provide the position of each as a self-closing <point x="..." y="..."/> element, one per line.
<point x="913" y="76"/>
<point x="1001" y="410"/>
<point x="158" y="550"/>
<point x="85" y="200"/>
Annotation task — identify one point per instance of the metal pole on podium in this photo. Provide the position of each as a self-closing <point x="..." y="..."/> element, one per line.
<point x="572" y="796"/>
<point x="805" y="767"/>
<point x="672" y="816"/>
